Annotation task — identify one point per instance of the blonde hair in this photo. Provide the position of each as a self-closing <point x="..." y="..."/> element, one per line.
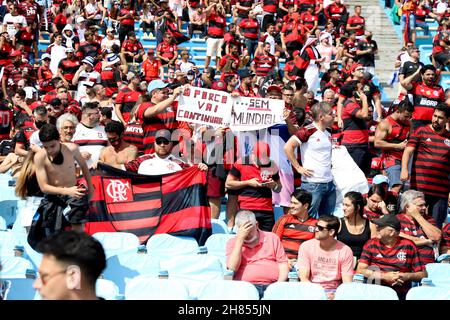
<point x="26" y="173"/>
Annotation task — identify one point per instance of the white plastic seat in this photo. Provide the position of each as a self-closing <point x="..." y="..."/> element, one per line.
<point x="428" y="293"/>
<point x="217" y="245"/>
<point x="7" y="243"/>
<point x="14" y="267"/>
<point x="228" y="290"/>
<point x="294" y="291"/>
<point x="125" y="266"/>
<point x="194" y="270"/>
<point x="362" y="291"/>
<point x="117" y="242"/>
<point x="165" y="246"/>
<point x="439" y="273"/>
<point x="148" y="288"/>
<point x="106" y="289"/>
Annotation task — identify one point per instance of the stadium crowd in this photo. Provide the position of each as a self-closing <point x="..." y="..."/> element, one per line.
<point x="97" y="95"/>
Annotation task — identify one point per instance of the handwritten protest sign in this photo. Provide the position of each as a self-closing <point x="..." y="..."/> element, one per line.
<point x="205" y="106"/>
<point x="256" y="113"/>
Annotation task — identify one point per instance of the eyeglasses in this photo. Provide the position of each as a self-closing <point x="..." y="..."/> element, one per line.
<point x="320" y="228"/>
<point x="162" y="141"/>
<point x="46" y="278"/>
<point x="68" y="127"/>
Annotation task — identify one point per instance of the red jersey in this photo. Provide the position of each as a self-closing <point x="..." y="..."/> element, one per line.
<point x="264" y="64"/>
<point x="127" y="21"/>
<point x="151" y="69"/>
<point x="249" y="28"/>
<point x="355" y="21"/>
<point x="133" y="47"/>
<point x="216" y="26"/>
<point x="425" y="99"/>
<point x="270" y="6"/>
<point x="31" y="12"/>
<point x="356" y="133"/>
<point x="127" y="98"/>
<point x="167" y="50"/>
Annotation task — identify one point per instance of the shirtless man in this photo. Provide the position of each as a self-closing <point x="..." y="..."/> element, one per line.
<point x="119" y="152"/>
<point x="65" y="203"/>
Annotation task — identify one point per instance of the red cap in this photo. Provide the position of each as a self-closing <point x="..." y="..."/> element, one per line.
<point x="355" y="66"/>
<point x="273" y="87"/>
<point x="219" y="85"/>
<point x="151" y="51"/>
<point x="16" y="53"/>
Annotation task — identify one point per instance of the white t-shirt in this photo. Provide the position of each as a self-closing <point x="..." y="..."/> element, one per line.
<point x="57" y="53"/>
<point x="91" y="140"/>
<point x="107" y="43"/>
<point x="185" y="66"/>
<point x="86" y="77"/>
<point x="10" y="20"/>
<point x="157" y="166"/>
<point x="270" y="39"/>
<point x="315" y="150"/>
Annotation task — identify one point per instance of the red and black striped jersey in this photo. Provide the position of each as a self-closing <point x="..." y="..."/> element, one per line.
<point x="249" y="198"/>
<point x="355" y="21"/>
<point x="403" y="256"/>
<point x="69" y="68"/>
<point x="445" y="241"/>
<point x="109" y="78"/>
<point x="26" y="39"/>
<point x="264" y="64"/>
<point x="249" y="28"/>
<point x="127" y="21"/>
<point x="369" y="214"/>
<point x="6" y="118"/>
<point x="88" y="49"/>
<point x="335" y="11"/>
<point x="350" y="46"/>
<point x="31" y="12"/>
<point x="45" y="77"/>
<point x="14" y="73"/>
<point x="5" y="51"/>
<point x="293" y="233"/>
<point x="431" y="162"/>
<point x="355" y="130"/>
<point x="246" y="93"/>
<point x="133" y="47"/>
<point x="134" y="134"/>
<point x="411" y="228"/>
<point x="216" y="26"/>
<point x="165" y="120"/>
<point x="167" y="50"/>
<point x="425" y="99"/>
<point x="399" y="133"/>
<point x="246" y="4"/>
<point x="289" y="3"/>
<point x="270" y="6"/>
<point x="127" y="98"/>
<point x="308" y="19"/>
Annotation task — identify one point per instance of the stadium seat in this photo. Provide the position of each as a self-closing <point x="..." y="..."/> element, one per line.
<point x="14" y="267"/>
<point x="294" y="291"/>
<point x="148" y="288"/>
<point x="2" y="224"/>
<point x="428" y="293"/>
<point x="106" y="289"/>
<point x="228" y="290"/>
<point x="19" y="289"/>
<point x="362" y="291"/>
<point x="165" y="246"/>
<point x="8" y="208"/>
<point x="439" y="273"/>
<point x="194" y="270"/>
<point x="117" y="242"/>
<point x="218" y="226"/>
<point x="6" y="244"/>
<point x="125" y="266"/>
<point x="217" y="244"/>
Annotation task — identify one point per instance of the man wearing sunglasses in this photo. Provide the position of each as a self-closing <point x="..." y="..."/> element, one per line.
<point x="71" y="263"/>
<point x="162" y="161"/>
<point x="390" y="259"/>
<point x="325" y="260"/>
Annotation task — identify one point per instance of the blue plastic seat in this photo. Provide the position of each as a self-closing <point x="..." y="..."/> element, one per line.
<point x="117" y="242"/>
<point x="148" y="288"/>
<point x="165" y="246"/>
<point x="294" y="291"/>
<point x="228" y="290"/>
<point x="428" y="293"/>
<point x="218" y="226"/>
<point x="19" y="289"/>
<point x="362" y="291"/>
<point x="126" y="266"/>
<point x="194" y="270"/>
<point x="106" y="289"/>
<point x="439" y="273"/>
<point x="14" y="267"/>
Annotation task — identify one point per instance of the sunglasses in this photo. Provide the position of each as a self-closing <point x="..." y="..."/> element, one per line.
<point x="320" y="228"/>
<point x="162" y="141"/>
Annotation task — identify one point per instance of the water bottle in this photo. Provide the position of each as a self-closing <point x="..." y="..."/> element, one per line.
<point x="293" y="276"/>
<point x="142" y="249"/>
<point x="202" y="250"/>
<point x="163" y="274"/>
<point x="359" y="278"/>
<point x="30" y="274"/>
<point x="426" y="282"/>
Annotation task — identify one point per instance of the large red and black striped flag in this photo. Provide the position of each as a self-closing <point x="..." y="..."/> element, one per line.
<point x="146" y="205"/>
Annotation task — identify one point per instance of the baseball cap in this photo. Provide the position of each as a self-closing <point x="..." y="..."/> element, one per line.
<point x="151" y="51"/>
<point x="219" y="85"/>
<point x="273" y="87"/>
<point x="80" y="19"/>
<point x="46" y="56"/>
<point x="70" y="50"/>
<point x="245" y="73"/>
<point x="89" y="60"/>
<point x="15" y="53"/>
<point x="164" y="133"/>
<point x="380" y="178"/>
<point x="110" y="30"/>
<point x="131" y="75"/>
<point x="355" y="66"/>
<point x="156" y="84"/>
<point x="388" y="220"/>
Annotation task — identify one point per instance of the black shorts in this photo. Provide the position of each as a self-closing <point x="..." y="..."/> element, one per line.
<point x="442" y="58"/>
<point x="58" y="211"/>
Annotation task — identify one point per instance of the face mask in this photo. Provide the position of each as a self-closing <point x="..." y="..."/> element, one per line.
<point x="190" y="78"/>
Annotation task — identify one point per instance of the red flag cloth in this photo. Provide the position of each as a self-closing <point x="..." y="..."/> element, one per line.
<point x="146" y="205"/>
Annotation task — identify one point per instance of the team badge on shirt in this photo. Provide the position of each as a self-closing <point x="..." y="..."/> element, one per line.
<point x="447" y="142"/>
<point x="401" y="256"/>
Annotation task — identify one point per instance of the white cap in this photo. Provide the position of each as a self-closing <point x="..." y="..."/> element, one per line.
<point x="45" y="56"/>
<point x="80" y="19"/>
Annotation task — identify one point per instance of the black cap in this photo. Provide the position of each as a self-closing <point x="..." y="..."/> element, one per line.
<point x="163" y="133"/>
<point x="388" y="220"/>
<point x="245" y="73"/>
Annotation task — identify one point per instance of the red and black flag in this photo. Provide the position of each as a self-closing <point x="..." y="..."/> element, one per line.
<point x="146" y="205"/>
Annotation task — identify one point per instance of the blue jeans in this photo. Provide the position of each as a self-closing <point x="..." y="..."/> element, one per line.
<point x="412" y="22"/>
<point x="424" y="26"/>
<point x="323" y="198"/>
<point x="251" y="45"/>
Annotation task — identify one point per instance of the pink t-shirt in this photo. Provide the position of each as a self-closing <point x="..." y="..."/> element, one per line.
<point x="259" y="265"/>
<point x="326" y="267"/>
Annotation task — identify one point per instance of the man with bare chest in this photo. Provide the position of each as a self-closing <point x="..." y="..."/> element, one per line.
<point x="65" y="203"/>
<point x="119" y="152"/>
